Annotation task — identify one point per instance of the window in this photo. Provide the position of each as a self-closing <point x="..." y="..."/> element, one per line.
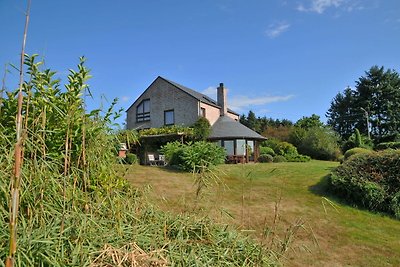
<point x="240" y="147"/>
<point x="169" y="117"/>
<point x="250" y="149"/>
<point x="203" y="112"/>
<point x="143" y="111"/>
<point x="229" y="147"/>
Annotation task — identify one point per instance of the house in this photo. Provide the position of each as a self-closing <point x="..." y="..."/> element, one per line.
<point x="166" y="103"/>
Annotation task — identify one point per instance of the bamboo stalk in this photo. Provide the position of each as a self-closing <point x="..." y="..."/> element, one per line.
<point x="16" y="180"/>
<point x="3" y="86"/>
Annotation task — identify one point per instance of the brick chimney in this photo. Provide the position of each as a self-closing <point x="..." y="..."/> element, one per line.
<point x="221" y="99"/>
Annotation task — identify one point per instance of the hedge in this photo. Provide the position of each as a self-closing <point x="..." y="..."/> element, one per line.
<point x="370" y="180"/>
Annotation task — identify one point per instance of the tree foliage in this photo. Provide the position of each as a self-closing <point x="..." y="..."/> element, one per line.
<point x="376" y="97"/>
<point x="319" y="143"/>
<point x="309" y="122"/>
<point x="270" y="127"/>
<point x="201" y="129"/>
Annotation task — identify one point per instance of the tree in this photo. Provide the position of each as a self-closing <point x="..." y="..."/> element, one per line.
<point x="309" y="122"/>
<point x="342" y="115"/>
<point x="376" y="97"/>
<point x="319" y="143"/>
<point x="251" y="120"/>
<point x="201" y="129"/>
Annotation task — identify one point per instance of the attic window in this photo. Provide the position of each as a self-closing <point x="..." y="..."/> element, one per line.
<point x="143" y="111"/>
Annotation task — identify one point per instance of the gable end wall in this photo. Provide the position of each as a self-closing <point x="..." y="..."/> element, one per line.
<point x="164" y="96"/>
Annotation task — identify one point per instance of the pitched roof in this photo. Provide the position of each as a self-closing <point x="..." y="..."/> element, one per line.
<point x="226" y="127"/>
<point x="199" y="96"/>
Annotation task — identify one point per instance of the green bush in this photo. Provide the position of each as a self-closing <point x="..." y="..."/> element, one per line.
<point x="279" y="147"/>
<point x="131" y="158"/>
<point x="320" y="143"/>
<point x="173" y="152"/>
<point x="285" y="149"/>
<point x="265" y="158"/>
<point x="201" y="129"/>
<point x="357" y="140"/>
<point x="194" y="155"/>
<point x="356" y="150"/>
<point x="388" y="145"/>
<point x="370" y="180"/>
<point x="202" y="154"/>
<point x="279" y="158"/>
<point x="298" y="158"/>
<point x="265" y="150"/>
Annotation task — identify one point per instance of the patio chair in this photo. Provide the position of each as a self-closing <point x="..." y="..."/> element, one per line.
<point x="152" y="161"/>
<point x="161" y="160"/>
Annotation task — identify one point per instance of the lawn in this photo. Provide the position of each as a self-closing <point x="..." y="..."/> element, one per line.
<point x="275" y="202"/>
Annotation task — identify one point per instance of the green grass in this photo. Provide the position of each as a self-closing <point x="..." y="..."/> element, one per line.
<point x="331" y="232"/>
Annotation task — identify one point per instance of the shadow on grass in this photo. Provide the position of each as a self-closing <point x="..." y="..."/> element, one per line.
<point x="322" y="189"/>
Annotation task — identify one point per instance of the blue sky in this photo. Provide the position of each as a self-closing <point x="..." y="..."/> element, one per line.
<point x="281" y="59"/>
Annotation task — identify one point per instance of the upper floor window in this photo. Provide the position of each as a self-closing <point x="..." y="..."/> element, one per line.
<point x="203" y="112"/>
<point x="143" y="111"/>
<point x="169" y="117"/>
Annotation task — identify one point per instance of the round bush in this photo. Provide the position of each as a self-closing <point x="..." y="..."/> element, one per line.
<point x="370" y="180"/>
<point x="279" y="158"/>
<point x="285" y="148"/>
<point x="356" y="150"/>
<point x="265" y="158"/>
<point x="265" y="150"/>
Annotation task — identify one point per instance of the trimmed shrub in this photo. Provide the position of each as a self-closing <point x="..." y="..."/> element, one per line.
<point x="131" y="158"/>
<point x="356" y="150"/>
<point x="265" y="158"/>
<point x="285" y="149"/>
<point x="370" y="180"/>
<point x="279" y="158"/>
<point x="265" y="150"/>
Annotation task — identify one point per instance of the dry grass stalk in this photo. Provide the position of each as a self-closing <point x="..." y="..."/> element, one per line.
<point x="15" y="183"/>
<point x="129" y="255"/>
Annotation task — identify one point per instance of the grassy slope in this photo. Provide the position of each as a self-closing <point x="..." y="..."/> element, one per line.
<point x="346" y="236"/>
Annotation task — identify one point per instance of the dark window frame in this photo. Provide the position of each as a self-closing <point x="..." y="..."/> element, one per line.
<point x="142" y="115"/>
<point x="173" y="117"/>
<point x="203" y="112"/>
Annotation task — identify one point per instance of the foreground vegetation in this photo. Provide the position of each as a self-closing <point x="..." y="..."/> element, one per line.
<point x="73" y="208"/>
<point x="284" y="206"/>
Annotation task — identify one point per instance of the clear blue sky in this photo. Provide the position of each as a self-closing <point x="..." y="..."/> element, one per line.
<point x="281" y="59"/>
